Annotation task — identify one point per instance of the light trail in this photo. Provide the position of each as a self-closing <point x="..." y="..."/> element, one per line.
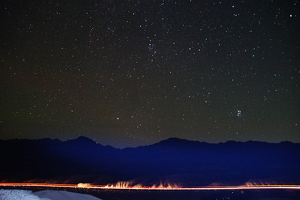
<point x="103" y="187"/>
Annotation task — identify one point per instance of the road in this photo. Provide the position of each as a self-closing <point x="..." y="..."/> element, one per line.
<point x="86" y="185"/>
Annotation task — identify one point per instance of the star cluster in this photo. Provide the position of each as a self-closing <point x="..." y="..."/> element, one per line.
<point x="129" y="73"/>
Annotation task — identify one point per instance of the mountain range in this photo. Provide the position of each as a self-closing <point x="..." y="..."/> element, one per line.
<point x="172" y="161"/>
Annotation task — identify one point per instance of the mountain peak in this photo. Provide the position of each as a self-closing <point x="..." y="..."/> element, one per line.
<point x="174" y="142"/>
<point x="83" y="139"/>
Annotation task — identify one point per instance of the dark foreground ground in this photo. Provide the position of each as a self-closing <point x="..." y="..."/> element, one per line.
<point x="196" y="195"/>
<point x="121" y="194"/>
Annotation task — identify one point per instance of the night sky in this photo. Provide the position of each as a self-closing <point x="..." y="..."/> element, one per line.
<point x="130" y="73"/>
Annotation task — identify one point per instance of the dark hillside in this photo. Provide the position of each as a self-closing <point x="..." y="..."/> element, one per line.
<point x="187" y="162"/>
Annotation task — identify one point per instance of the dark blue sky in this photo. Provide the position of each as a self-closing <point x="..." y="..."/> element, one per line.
<point x="129" y="73"/>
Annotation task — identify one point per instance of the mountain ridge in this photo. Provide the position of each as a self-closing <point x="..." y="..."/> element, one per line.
<point x="81" y="159"/>
<point x="84" y="139"/>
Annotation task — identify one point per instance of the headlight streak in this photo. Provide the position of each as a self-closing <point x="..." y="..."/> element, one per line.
<point x="103" y="187"/>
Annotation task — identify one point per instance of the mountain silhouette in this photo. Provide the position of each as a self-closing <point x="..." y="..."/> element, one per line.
<point x="179" y="160"/>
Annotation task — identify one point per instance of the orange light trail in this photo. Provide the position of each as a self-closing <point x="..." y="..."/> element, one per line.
<point x="88" y="186"/>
